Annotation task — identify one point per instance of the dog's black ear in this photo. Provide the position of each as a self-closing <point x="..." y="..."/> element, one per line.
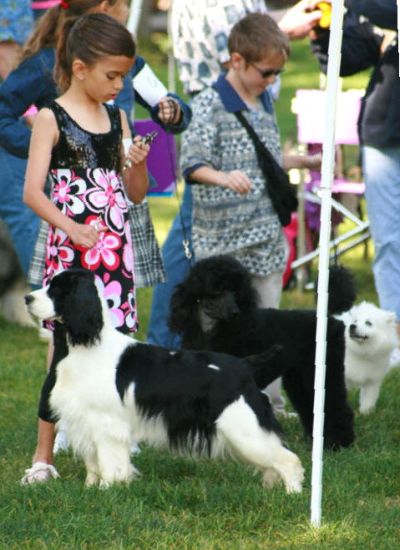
<point x="181" y="314"/>
<point x="82" y="311"/>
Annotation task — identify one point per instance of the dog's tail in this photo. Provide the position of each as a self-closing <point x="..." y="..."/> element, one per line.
<point x="266" y="366"/>
<point x="342" y="290"/>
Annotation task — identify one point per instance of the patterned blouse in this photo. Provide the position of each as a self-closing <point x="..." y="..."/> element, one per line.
<point x="210" y="22"/>
<point x="245" y="226"/>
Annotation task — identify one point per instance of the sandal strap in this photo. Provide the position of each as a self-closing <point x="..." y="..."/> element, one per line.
<point x="39" y="472"/>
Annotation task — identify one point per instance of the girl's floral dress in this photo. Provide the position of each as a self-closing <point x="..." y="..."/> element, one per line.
<point x="87" y="186"/>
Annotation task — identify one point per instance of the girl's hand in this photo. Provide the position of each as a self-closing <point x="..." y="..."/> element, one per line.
<point x="236" y="181"/>
<point x="169" y="110"/>
<point x="86" y="235"/>
<point x="137" y="152"/>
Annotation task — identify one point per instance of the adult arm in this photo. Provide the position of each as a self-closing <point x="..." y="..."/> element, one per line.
<point x="185" y="111"/>
<point x="30" y="84"/>
<point x="382" y="13"/>
<point x="361" y="45"/>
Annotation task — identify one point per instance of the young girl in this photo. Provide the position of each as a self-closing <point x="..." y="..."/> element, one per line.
<point x="32" y="83"/>
<point x="77" y="141"/>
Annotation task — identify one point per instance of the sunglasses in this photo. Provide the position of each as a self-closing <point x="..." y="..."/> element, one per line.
<point x="267" y="72"/>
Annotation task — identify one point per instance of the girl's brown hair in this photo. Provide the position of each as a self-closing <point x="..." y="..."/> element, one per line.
<point x="49" y="26"/>
<point x="90" y="38"/>
<point x="256" y="36"/>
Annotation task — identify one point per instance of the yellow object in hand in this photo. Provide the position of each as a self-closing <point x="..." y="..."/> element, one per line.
<point x="326" y="9"/>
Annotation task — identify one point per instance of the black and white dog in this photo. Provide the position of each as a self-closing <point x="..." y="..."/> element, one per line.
<point x="111" y="390"/>
<point x="215" y="308"/>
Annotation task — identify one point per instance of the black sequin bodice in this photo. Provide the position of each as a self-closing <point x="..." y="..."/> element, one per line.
<point x="78" y="148"/>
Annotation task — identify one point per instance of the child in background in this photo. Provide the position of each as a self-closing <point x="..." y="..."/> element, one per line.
<point x="232" y="211"/>
<point x="77" y="142"/>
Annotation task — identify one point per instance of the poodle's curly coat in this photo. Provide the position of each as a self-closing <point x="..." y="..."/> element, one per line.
<point x="215" y="308"/>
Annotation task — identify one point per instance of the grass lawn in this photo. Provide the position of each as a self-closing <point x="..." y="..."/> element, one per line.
<point x="184" y="504"/>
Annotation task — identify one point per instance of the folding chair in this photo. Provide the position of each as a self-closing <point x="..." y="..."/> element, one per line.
<point x="309" y="106"/>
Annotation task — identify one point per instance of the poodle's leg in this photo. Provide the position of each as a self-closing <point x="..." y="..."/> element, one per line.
<point x="239" y="425"/>
<point x="368" y="397"/>
<point x="114" y="462"/>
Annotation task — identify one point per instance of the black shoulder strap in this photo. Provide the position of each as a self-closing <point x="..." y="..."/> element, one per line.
<point x="282" y="194"/>
<point x="259" y="145"/>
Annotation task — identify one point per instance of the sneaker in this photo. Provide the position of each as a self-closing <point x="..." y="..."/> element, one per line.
<point x="394" y="358"/>
<point x="60" y="442"/>
<point x="40" y="472"/>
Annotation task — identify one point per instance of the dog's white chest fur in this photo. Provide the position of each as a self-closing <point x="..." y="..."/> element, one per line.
<point x="88" y="386"/>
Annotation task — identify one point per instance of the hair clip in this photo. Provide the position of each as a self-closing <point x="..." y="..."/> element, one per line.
<point x="64" y="5"/>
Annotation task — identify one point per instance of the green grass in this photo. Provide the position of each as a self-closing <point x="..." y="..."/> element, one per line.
<point x="184" y="504"/>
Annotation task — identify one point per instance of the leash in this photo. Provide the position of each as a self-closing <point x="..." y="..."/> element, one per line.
<point x="185" y="241"/>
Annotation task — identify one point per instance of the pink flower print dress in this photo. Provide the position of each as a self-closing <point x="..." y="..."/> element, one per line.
<point x="87" y="186"/>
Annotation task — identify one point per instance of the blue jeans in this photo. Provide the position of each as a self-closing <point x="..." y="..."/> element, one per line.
<point x="22" y="223"/>
<point x="381" y="169"/>
<point x="177" y="267"/>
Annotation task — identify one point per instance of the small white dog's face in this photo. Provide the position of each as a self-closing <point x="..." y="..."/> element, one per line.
<point x="40" y="305"/>
<point x="369" y="327"/>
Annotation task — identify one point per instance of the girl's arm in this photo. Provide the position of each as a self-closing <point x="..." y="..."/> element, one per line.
<point x="44" y="137"/>
<point x="135" y="177"/>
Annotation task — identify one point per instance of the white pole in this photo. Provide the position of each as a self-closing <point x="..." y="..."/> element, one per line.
<point x="171" y="60"/>
<point x="398" y="28"/>
<point x="328" y="162"/>
<point x="134" y="16"/>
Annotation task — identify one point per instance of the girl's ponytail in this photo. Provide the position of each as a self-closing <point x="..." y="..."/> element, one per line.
<point x="62" y="69"/>
<point x="45" y="33"/>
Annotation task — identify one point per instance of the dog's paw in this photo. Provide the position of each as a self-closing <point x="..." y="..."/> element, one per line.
<point x="293" y="475"/>
<point x="91" y="479"/>
<point x="270" y="478"/>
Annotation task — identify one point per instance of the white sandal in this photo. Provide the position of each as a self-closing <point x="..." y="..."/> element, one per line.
<point x="40" y="472"/>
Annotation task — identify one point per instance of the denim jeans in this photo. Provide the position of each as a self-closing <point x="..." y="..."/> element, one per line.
<point x="22" y="223"/>
<point x="177" y="267"/>
<point x="381" y="169"/>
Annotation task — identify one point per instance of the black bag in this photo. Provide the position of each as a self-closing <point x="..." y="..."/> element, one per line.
<point x="281" y="192"/>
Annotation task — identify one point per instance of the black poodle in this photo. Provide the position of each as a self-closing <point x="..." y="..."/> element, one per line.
<point x="215" y="308"/>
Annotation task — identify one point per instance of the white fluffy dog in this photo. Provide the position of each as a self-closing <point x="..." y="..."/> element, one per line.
<point x="371" y="337"/>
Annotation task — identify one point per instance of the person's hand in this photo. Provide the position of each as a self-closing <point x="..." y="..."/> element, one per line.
<point x="138" y="152"/>
<point x="301" y="19"/>
<point x="236" y="181"/>
<point x="86" y="235"/>
<point x="313" y="162"/>
<point x="169" y="110"/>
